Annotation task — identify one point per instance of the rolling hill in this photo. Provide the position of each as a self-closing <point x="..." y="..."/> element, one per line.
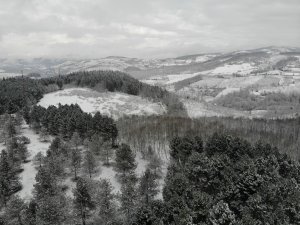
<point x="205" y="83"/>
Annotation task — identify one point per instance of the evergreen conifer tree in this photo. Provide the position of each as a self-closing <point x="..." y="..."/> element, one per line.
<point x="125" y="160"/>
<point x="82" y="200"/>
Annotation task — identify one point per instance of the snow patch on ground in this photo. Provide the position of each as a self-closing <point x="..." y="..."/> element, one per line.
<point x="198" y="109"/>
<point x="109" y="173"/>
<point x="204" y="58"/>
<point x="113" y="104"/>
<point x="243" y="69"/>
<point x="168" y="79"/>
<point x="27" y="177"/>
<point x="2" y="146"/>
<point x="227" y="91"/>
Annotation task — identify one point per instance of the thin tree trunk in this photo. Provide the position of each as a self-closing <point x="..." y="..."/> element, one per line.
<point x="75" y="172"/>
<point x="82" y="214"/>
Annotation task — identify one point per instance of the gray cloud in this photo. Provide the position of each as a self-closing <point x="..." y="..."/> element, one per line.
<point x="140" y="28"/>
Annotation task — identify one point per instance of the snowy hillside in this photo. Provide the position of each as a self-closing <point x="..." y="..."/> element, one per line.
<point x="202" y="78"/>
<point x="240" y="62"/>
<point x="109" y="103"/>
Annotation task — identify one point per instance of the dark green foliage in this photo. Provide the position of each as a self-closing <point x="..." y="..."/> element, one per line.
<point x="67" y="120"/>
<point x="232" y="182"/>
<point x="55" y="147"/>
<point x="9" y="181"/>
<point x="106" y="202"/>
<point x="128" y="198"/>
<point x="125" y="160"/>
<point x="49" y="199"/>
<point x="9" y="129"/>
<point x="50" y="210"/>
<point x="221" y="214"/>
<point x="106" y="127"/>
<point x="14" y="211"/>
<point x="46" y="183"/>
<point x="82" y="200"/>
<point x="152" y="214"/>
<point x="181" y="149"/>
<point x="56" y="156"/>
<point x="30" y="213"/>
<point x="16" y="93"/>
<point x="17" y="151"/>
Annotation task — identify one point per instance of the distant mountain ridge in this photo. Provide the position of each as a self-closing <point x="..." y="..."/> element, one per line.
<point x="262" y="58"/>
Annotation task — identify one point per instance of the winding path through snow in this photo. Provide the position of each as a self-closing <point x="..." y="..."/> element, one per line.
<point x="27" y="177"/>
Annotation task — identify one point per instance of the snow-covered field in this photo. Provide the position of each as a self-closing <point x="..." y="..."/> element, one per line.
<point x="204" y="58"/>
<point x="243" y="69"/>
<point x="231" y="82"/>
<point x="114" y="104"/>
<point x="168" y="79"/>
<point x="198" y="109"/>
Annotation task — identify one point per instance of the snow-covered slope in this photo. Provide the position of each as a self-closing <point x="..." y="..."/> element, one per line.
<point x="114" y="104"/>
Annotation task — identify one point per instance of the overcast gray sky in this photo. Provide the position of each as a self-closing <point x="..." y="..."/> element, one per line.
<point x="144" y="28"/>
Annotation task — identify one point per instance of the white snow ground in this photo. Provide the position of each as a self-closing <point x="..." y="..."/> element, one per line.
<point x="168" y="79"/>
<point x="114" y="104"/>
<point x="27" y="177"/>
<point x="243" y="69"/>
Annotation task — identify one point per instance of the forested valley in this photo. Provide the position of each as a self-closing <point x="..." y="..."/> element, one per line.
<point x="219" y="171"/>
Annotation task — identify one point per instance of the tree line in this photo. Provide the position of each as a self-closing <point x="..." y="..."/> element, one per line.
<point x="65" y="120"/>
<point x="16" y="93"/>
<point x="12" y="157"/>
<point x="157" y="131"/>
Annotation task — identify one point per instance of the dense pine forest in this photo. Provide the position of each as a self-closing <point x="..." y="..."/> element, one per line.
<point x="16" y="93"/>
<point x="219" y="171"/>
